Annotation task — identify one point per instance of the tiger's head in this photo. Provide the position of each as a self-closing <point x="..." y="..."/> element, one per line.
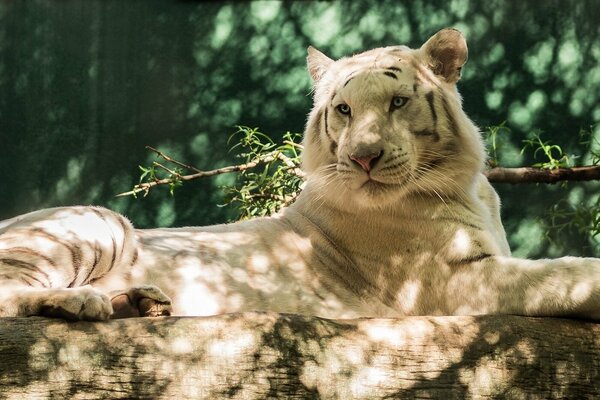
<point x="388" y="122"/>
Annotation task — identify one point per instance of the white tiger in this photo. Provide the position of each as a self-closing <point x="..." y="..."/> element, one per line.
<point x="395" y="219"/>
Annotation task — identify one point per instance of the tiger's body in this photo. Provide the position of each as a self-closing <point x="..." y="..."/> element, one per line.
<point x="395" y="219"/>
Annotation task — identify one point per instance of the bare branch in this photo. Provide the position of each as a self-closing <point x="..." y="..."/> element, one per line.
<point x="540" y="175"/>
<point x="169" y="159"/>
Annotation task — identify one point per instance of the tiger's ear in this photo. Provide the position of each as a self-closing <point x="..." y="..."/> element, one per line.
<point x="317" y="63"/>
<point x="446" y="52"/>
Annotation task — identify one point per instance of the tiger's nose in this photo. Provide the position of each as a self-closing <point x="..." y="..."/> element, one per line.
<point x="366" y="162"/>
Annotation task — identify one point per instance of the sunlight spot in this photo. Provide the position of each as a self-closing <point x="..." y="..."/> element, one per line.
<point x="528" y="238"/>
<point x="407" y="296"/>
<point x="223" y="27"/>
<point x="265" y="11"/>
<point x="355" y="356"/>
<point x="195" y="297"/>
<point x="372" y="25"/>
<point x="537" y="300"/>
<point x="166" y="214"/>
<point x="494" y="99"/>
<point x="519" y="115"/>
<point x="536" y="100"/>
<point x="37" y="356"/>
<point x="366" y="379"/>
<point x="259" y="263"/>
<point x="538" y="60"/>
<point x="492" y="337"/>
<point x="65" y="186"/>
<point x="581" y="292"/>
<point x="200" y="145"/>
<point x="181" y="345"/>
<point x="234" y="346"/>
<point x="310" y="374"/>
<point x="462" y="241"/>
<point x="576" y="196"/>
<point x="459" y="8"/>
<point x="526" y="350"/>
<point x="388" y="334"/>
<point x="487" y="379"/>
<point x="239" y="275"/>
<point x="324" y="26"/>
<point x="569" y="54"/>
<point x="193" y="110"/>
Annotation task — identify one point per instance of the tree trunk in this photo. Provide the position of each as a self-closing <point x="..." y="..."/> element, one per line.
<point x="269" y="355"/>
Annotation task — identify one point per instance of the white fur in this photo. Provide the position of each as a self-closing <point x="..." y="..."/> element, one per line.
<point x="417" y="234"/>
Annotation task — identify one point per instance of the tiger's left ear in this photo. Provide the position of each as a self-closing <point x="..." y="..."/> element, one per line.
<point x="446" y="52"/>
<point x="317" y="63"/>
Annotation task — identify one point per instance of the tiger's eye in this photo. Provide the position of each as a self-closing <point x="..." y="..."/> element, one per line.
<point x="344" y="109"/>
<point x="397" y="102"/>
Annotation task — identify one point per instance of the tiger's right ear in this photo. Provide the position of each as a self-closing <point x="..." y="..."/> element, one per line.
<point x="317" y="63"/>
<point x="446" y="53"/>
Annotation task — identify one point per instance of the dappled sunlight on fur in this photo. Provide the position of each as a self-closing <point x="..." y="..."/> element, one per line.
<point x="395" y="219"/>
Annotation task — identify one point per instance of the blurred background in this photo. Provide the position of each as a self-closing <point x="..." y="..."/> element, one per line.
<point x="86" y="84"/>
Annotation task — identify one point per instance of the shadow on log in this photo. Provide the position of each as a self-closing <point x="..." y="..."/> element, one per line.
<point x="270" y="355"/>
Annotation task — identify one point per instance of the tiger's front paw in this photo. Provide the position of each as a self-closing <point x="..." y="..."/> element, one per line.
<point x="140" y="301"/>
<point x="82" y="303"/>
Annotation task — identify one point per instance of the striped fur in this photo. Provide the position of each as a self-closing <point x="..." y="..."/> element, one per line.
<point x="395" y="219"/>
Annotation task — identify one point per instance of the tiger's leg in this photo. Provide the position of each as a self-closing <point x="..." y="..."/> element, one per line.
<point x="562" y="287"/>
<point x="49" y="258"/>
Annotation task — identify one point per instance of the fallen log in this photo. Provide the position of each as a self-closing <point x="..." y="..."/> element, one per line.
<point x="270" y="355"/>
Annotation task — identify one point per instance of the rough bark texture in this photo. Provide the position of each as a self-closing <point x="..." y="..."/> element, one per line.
<point x="268" y="355"/>
<point x="541" y="175"/>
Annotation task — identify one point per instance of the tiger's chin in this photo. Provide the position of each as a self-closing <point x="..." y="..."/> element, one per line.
<point x="375" y="194"/>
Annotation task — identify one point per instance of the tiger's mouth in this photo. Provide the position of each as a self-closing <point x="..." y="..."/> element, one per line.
<point x="373" y="186"/>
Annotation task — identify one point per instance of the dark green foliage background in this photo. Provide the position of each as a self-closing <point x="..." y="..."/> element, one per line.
<point x="85" y="84"/>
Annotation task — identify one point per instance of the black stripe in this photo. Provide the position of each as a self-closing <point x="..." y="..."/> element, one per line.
<point x="114" y="254"/>
<point x="348" y="81"/>
<point x="415" y="86"/>
<point x="429" y="97"/>
<point x="76" y="258"/>
<point x="30" y="252"/>
<point x="13" y="262"/>
<point x="325" y="117"/>
<point x="435" y="136"/>
<point x="395" y="69"/>
<point x="316" y="137"/>
<point x="69" y="247"/>
<point x="452" y="125"/>
<point x="460" y="222"/>
<point x="470" y="259"/>
<point x="97" y="258"/>
<point x="333" y="146"/>
<point x="390" y="74"/>
<point x="25" y="274"/>
<point x="125" y="227"/>
<point x="135" y="257"/>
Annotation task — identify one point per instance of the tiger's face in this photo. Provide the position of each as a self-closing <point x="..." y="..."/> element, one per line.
<point x="388" y="122"/>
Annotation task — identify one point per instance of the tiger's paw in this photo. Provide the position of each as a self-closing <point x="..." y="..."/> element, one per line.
<point x="82" y="303"/>
<point x="140" y="301"/>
